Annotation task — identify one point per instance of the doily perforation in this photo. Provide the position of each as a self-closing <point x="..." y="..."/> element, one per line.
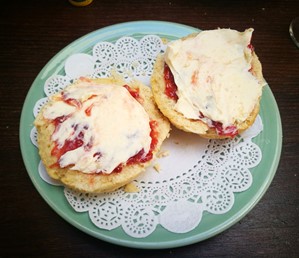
<point x="33" y="136"/>
<point x="128" y="48"/>
<point x="55" y="84"/>
<point x="106" y="213"/>
<point x="80" y="202"/>
<point x="236" y="177"/>
<point x="104" y="54"/>
<point x="150" y="46"/>
<point x="205" y="173"/>
<point x="139" y="221"/>
<point x="38" y="105"/>
<point x="246" y="154"/>
<point x="217" y="198"/>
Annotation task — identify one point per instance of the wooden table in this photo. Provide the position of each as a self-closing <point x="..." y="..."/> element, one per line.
<point x="33" y="31"/>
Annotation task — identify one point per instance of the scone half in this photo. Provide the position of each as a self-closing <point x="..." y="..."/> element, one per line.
<point x="169" y="86"/>
<point x="97" y="135"/>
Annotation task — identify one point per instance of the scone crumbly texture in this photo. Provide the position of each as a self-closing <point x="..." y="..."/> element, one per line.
<point x="197" y="126"/>
<point x="100" y="182"/>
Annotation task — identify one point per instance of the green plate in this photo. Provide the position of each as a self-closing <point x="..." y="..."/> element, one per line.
<point x="269" y="140"/>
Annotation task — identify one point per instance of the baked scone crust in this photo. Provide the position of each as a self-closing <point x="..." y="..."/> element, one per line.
<point x="99" y="183"/>
<point x="166" y="104"/>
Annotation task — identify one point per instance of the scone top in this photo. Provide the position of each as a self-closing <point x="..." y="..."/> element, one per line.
<point x="212" y="72"/>
<point x="97" y="126"/>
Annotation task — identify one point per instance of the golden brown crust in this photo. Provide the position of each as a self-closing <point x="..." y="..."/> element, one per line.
<point x="98" y="183"/>
<point x="166" y="104"/>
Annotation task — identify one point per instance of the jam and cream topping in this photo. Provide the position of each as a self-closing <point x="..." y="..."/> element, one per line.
<point x="212" y="75"/>
<point x="98" y="127"/>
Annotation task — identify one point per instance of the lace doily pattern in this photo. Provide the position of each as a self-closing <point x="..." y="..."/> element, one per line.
<point x="208" y="182"/>
<point x="177" y="203"/>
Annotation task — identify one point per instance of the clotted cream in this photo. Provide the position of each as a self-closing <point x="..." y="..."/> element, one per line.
<point x="212" y="74"/>
<point x="105" y="121"/>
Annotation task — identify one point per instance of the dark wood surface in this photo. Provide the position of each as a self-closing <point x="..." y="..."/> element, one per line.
<point x="32" y="32"/>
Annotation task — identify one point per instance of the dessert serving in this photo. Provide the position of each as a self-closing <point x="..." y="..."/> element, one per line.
<point x="209" y="83"/>
<point x="99" y="134"/>
<point x="203" y="179"/>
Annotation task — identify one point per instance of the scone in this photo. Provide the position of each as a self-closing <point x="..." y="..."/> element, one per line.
<point x="209" y="83"/>
<point x="99" y="134"/>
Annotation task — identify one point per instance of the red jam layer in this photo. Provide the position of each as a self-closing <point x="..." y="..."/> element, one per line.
<point x="250" y="46"/>
<point x="170" y="86"/>
<point x="230" y="131"/>
<point x="140" y="157"/>
<point x="134" y="92"/>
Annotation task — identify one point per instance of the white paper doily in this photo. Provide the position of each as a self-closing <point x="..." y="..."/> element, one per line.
<point x="198" y="175"/>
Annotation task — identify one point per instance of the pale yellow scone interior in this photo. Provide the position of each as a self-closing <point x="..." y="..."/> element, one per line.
<point x="108" y="126"/>
<point x="218" y="78"/>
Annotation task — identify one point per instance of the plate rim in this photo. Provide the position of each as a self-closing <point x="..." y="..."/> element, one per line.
<point x="150" y="245"/>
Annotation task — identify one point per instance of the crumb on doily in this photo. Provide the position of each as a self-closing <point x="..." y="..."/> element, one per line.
<point x="157" y="167"/>
<point x="163" y="154"/>
<point x="131" y="188"/>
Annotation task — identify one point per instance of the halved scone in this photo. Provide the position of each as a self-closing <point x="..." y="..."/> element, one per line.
<point x="209" y="83"/>
<point x="99" y="134"/>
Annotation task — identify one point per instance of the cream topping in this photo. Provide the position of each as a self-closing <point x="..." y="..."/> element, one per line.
<point x="212" y="73"/>
<point x="108" y="123"/>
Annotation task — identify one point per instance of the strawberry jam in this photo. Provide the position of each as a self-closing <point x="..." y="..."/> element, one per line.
<point x="71" y="101"/>
<point x="141" y="157"/>
<point x="250" y="46"/>
<point x="134" y="92"/>
<point x="170" y="86"/>
<point x="70" y="145"/>
<point x="230" y="131"/>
